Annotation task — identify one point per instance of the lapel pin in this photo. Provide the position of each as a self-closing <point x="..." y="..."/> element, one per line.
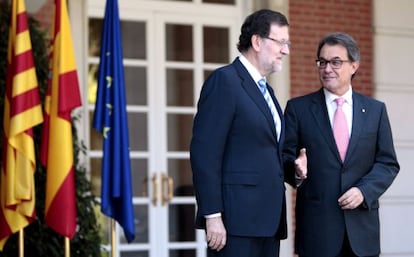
<point x="363" y="110"/>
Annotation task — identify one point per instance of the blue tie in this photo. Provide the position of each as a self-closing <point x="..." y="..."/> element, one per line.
<point x="269" y="101"/>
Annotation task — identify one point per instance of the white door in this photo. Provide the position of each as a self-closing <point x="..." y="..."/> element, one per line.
<point x="169" y="49"/>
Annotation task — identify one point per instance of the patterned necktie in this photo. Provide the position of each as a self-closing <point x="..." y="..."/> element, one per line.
<point x="269" y="101"/>
<point x="340" y="128"/>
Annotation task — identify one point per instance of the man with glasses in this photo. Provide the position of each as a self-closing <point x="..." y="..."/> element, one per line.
<point x="351" y="158"/>
<point x="236" y="148"/>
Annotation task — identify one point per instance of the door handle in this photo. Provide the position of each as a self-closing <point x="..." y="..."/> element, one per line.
<point x="167" y="195"/>
<point x="154" y="190"/>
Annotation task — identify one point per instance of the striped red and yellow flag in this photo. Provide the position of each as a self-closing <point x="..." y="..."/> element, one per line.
<point x="57" y="145"/>
<point x="22" y="111"/>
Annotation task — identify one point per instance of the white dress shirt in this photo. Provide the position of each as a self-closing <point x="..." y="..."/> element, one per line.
<point x="346" y="107"/>
<point x="256" y="77"/>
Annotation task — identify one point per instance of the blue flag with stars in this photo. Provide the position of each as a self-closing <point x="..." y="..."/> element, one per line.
<point x="110" y="119"/>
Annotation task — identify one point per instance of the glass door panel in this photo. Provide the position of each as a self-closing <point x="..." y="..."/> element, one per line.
<point x="179" y="42"/>
<point x="180" y="87"/>
<point x="134" y="40"/>
<point x="216" y="44"/>
<point x="180" y="171"/>
<point x="179" y="131"/>
<point x="138" y="130"/>
<point x="135" y="85"/>
<point x="139" y="178"/>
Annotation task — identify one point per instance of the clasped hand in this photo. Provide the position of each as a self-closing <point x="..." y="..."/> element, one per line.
<point x="351" y="199"/>
<point x="216" y="233"/>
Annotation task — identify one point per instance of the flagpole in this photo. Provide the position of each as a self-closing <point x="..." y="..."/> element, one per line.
<point x="67" y="247"/>
<point x="113" y="238"/>
<point x="21" y="243"/>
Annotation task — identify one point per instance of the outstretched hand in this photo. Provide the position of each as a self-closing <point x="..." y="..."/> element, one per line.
<point x="301" y="164"/>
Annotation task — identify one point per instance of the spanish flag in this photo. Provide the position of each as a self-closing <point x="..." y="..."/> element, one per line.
<point x="57" y="146"/>
<point x="22" y="111"/>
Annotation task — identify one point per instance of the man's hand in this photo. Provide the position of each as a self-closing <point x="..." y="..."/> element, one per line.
<point x="301" y="164"/>
<point x="216" y="233"/>
<point x="351" y="199"/>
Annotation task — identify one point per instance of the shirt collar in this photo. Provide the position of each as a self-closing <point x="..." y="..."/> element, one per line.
<point x="254" y="73"/>
<point x="330" y="97"/>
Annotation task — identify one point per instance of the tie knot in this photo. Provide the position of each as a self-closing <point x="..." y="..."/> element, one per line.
<point x="262" y="85"/>
<point x="339" y="101"/>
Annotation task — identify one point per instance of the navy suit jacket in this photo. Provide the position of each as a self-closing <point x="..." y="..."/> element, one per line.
<point x="235" y="157"/>
<point x="370" y="164"/>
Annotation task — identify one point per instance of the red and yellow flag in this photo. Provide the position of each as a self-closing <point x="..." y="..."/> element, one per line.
<point x="57" y="145"/>
<point x="22" y="111"/>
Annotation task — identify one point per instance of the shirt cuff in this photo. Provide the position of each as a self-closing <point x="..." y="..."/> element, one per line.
<point x="214" y="215"/>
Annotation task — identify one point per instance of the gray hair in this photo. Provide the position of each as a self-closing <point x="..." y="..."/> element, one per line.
<point x="343" y="39"/>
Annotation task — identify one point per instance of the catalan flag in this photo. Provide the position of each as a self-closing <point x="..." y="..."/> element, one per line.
<point x="110" y="119"/>
<point x="22" y="111"/>
<point x="57" y="146"/>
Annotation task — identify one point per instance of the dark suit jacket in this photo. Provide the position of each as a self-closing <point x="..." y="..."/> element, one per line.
<point x="235" y="157"/>
<point x="370" y="165"/>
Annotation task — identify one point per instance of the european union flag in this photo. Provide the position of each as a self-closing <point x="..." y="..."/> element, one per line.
<point x="110" y="119"/>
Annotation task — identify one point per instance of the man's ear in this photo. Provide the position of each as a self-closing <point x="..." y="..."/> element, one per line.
<point x="257" y="42"/>
<point x="355" y="66"/>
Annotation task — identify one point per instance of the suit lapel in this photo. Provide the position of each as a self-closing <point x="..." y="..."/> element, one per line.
<point x="359" y="117"/>
<point x="253" y="91"/>
<point x="320" y="114"/>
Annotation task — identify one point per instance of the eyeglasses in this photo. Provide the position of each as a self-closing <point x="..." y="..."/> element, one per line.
<point x="281" y="43"/>
<point x="335" y="63"/>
